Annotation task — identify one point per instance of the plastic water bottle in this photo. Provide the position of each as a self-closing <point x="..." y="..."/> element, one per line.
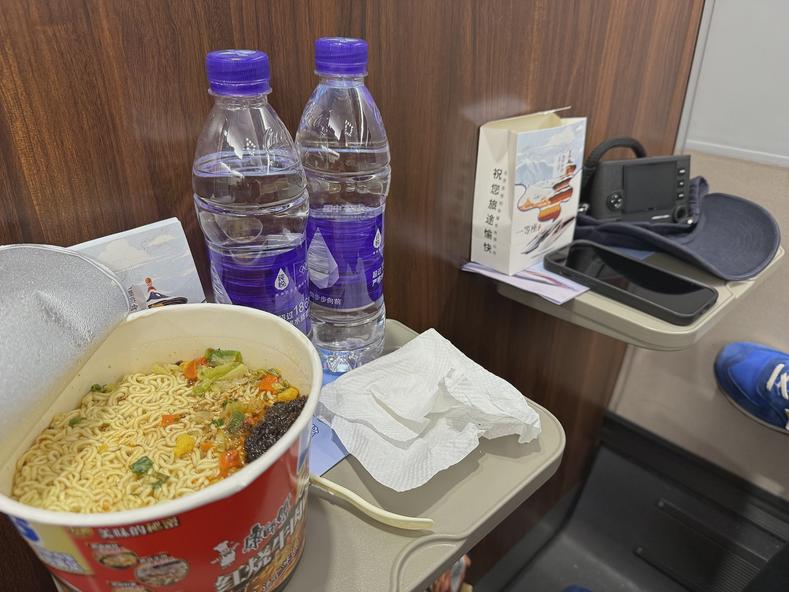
<point x="345" y="153"/>
<point x="250" y="193"/>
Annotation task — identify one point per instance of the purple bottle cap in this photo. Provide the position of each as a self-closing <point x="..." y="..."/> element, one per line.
<point x="240" y="72"/>
<point x="341" y="56"/>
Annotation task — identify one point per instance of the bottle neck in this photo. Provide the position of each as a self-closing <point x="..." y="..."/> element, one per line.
<point x="341" y="81"/>
<point x="239" y="101"/>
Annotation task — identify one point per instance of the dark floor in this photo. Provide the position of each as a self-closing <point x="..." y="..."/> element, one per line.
<point x="650" y="518"/>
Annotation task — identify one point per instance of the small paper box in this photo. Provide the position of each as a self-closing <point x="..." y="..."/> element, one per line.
<point x="527" y="189"/>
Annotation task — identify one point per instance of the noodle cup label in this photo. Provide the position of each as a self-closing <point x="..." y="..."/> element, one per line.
<point x="250" y="541"/>
<point x="54" y="546"/>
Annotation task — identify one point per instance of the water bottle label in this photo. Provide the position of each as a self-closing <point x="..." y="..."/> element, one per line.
<point x="275" y="283"/>
<point x="346" y="260"/>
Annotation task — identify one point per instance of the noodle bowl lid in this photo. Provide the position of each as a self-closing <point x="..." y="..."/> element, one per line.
<point x="56" y="307"/>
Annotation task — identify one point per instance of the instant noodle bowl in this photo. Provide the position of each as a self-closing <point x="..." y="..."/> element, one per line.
<point x="244" y="532"/>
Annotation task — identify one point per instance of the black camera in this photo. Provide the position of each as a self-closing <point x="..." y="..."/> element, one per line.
<point x="642" y="189"/>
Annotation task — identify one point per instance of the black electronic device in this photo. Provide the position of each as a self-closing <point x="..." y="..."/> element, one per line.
<point x="648" y="288"/>
<point x="641" y="189"/>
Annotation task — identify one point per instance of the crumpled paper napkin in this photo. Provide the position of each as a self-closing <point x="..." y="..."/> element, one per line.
<point x="414" y="412"/>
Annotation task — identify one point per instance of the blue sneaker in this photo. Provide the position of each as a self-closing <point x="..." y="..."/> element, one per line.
<point x="756" y="379"/>
<point x="576" y="589"/>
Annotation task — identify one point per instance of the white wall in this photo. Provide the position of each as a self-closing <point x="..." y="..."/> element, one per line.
<point x="741" y="104"/>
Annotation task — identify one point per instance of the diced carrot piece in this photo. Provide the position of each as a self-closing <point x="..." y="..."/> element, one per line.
<point x="205" y="447"/>
<point x="190" y="369"/>
<point x="267" y="382"/>
<point x="169" y="419"/>
<point x="230" y="459"/>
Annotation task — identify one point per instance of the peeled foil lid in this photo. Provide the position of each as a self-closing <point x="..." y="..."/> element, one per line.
<point x="56" y="307"/>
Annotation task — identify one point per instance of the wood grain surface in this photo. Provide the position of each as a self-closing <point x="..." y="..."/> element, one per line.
<point x="101" y="103"/>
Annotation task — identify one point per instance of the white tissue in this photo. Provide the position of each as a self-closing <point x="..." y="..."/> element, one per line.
<point x="412" y="413"/>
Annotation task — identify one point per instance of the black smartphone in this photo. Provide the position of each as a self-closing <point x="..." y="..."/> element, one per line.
<point x="665" y="295"/>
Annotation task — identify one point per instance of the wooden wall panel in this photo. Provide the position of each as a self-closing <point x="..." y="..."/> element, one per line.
<point x="101" y="102"/>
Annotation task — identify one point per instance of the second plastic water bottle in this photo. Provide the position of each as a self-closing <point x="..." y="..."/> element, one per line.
<point x="345" y="153"/>
<point x="249" y="193"/>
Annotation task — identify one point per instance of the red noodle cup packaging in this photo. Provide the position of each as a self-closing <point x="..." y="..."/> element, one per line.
<point x="243" y="533"/>
<point x="250" y="541"/>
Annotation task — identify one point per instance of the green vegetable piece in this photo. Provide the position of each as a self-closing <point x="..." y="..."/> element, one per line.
<point x="219" y="422"/>
<point x="208" y="375"/>
<point x="75" y="420"/>
<point x="161" y="479"/>
<point x="218" y="357"/>
<point x="236" y="421"/>
<point x="99" y="388"/>
<point x="201" y="388"/>
<point x="237" y="372"/>
<point x="214" y="372"/>
<point x="141" y="466"/>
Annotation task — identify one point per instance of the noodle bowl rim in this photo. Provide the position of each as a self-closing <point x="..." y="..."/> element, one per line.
<point x="225" y="488"/>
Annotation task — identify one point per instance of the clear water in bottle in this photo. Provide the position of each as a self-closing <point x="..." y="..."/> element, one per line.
<point x="250" y="193"/>
<point x="345" y="153"/>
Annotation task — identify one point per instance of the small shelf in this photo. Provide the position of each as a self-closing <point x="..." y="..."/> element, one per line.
<point x="604" y="315"/>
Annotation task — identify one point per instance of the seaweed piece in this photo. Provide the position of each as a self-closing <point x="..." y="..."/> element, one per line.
<point x="274" y="425"/>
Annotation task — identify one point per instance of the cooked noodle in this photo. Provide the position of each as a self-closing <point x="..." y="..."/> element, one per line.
<point x="81" y="462"/>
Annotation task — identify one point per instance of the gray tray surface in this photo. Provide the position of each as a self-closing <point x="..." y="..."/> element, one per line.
<point x="347" y="552"/>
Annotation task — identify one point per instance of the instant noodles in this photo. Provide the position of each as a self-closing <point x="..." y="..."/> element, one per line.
<point x="157" y="436"/>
